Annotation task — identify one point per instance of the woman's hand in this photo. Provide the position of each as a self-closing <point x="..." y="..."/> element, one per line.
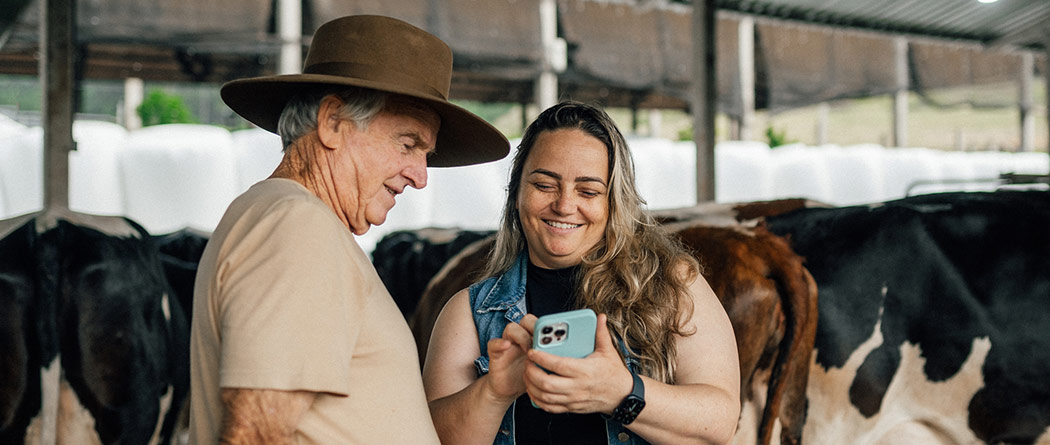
<point x="507" y="357"/>
<point x="596" y="383"/>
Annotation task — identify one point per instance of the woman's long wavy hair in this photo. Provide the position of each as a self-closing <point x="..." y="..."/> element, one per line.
<point x="637" y="275"/>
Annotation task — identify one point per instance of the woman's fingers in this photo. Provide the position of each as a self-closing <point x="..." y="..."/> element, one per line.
<point x="518" y="335"/>
<point x="528" y="322"/>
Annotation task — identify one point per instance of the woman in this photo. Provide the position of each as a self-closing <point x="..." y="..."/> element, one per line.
<point x="573" y="236"/>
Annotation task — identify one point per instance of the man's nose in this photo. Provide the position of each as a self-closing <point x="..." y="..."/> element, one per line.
<point x="417" y="173"/>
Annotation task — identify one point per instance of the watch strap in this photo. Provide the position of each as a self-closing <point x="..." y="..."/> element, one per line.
<point x="631" y="405"/>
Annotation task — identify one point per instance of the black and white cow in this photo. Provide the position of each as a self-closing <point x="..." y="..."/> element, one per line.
<point x="406" y="260"/>
<point x="25" y="336"/>
<point x="106" y="351"/>
<point x="180" y="252"/>
<point x="934" y="319"/>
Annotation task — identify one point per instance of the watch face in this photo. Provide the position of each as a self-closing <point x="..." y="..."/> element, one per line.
<point x="633" y="405"/>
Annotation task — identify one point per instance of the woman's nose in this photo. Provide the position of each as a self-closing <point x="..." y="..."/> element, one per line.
<point x="564" y="204"/>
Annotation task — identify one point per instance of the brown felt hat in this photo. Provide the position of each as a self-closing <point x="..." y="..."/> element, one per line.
<point x="384" y="54"/>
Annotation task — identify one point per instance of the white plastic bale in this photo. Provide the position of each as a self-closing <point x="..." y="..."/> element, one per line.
<point x="800" y="172"/>
<point x="662" y="174"/>
<point x="905" y="167"/>
<point x="22" y="172"/>
<point x="178" y="175"/>
<point x="856" y="173"/>
<point x="685" y="155"/>
<point x="10" y="127"/>
<point x="470" y="197"/>
<point x="257" y="152"/>
<point x="743" y="171"/>
<point x="94" y="168"/>
<point x="962" y="171"/>
<point x="1029" y="163"/>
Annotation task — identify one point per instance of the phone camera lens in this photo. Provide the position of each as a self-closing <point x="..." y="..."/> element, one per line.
<point x="559" y="333"/>
<point x="546" y="330"/>
<point x="545" y="340"/>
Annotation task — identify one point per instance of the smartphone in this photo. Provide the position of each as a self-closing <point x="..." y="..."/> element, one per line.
<point x="568" y="334"/>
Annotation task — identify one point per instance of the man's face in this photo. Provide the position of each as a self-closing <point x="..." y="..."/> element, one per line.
<point x="384" y="158"/>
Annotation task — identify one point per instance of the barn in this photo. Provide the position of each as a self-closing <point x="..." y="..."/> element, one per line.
<point x="883" y="319"/>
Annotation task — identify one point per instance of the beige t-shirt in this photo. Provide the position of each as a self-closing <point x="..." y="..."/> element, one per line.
<point x="285" y="299"/>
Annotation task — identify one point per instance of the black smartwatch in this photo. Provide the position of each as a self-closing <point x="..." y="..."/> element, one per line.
<point x="632" y="404"/>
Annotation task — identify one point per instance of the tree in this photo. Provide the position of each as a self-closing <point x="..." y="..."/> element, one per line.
<point x="162" y="108"/>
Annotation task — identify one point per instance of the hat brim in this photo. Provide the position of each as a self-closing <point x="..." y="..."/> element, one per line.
<point x="463" y="138"/>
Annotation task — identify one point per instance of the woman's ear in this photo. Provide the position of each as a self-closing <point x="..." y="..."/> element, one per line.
<point x="330" y="122"/>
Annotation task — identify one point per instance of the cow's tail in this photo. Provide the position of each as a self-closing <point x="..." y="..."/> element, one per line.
<point x="786" y="396"/>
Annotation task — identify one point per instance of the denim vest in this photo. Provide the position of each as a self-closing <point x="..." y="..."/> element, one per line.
<point x="498" y="300"/>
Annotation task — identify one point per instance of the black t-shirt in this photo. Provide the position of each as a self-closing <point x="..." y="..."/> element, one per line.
<point x="548" y="291"/>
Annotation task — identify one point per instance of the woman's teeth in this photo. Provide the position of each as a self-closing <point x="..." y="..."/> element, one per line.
<point x="558" y="225"/>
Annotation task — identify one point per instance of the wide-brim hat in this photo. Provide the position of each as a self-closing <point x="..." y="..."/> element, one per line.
<point x="384" y="54"/>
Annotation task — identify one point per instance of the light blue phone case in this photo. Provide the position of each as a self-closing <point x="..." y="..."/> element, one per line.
<point x="577" y="339"/>
<point x="568" y="334"/>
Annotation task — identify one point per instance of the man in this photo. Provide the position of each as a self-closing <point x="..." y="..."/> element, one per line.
<point x="294" y="337"/>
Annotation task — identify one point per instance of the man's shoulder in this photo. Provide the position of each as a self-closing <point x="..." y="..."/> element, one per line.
<point x="279" y="199"/>
<point x="278" y="192"/>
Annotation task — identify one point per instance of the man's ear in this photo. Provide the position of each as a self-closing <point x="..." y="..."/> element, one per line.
<point x="329" y="122"/>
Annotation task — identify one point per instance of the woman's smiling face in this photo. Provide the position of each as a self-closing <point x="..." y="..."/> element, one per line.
<point x="563" y="201"/>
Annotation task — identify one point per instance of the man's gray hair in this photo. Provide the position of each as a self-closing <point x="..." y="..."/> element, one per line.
<point x="299" y="117"/>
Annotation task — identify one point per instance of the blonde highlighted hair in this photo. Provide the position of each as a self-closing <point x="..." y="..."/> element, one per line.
<point x="637" y="275"/>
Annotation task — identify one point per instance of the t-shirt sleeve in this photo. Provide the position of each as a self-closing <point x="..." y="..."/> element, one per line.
<point x="286" y="306"/>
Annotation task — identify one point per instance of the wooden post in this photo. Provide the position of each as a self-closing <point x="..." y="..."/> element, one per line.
<point x="290" y="30"/>
<point x="524" y="116"/>
<point x="655" y="122"/>
<point x="546" y="87"/>
<point x="704" y="97"/>
<point x="746" y="66"/>
<point x="134" y="92"/>
<point x="900" y="97"/>
<point x="823" y="116"/>
<point x="57" y="20"/>
<point x="57" y="30"/>
<point x="1026" y="102"/>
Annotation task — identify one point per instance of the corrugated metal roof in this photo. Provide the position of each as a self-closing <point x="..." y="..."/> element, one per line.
<point x="621" y="52"/>
<point x="1021" y="23"/>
